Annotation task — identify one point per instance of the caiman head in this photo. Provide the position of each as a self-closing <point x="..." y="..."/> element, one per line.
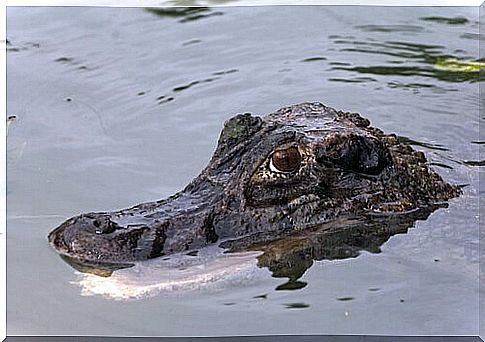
<point x="295" y="169"/>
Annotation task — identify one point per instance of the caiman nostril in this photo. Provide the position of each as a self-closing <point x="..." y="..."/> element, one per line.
<point x="103" y="225"/>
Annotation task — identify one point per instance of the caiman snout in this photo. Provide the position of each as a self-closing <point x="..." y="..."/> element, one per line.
<point x="183" y="222"/>
<point x="98" y="238"/>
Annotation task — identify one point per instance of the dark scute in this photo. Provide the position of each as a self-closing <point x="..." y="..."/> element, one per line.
<point x="358" y="120"/>
<point x="210" y="231"/>
<point x="158" y="242"/>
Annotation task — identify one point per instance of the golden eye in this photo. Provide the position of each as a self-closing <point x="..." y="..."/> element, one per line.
<point x="286" y="160"/>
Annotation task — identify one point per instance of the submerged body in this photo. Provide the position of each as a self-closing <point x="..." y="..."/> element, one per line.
<point x="294" y="171"/>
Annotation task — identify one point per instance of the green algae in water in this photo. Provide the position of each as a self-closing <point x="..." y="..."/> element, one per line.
<point x="455" y="65"/>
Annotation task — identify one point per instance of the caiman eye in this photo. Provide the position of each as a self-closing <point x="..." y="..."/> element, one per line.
<point x="285" y="160"/>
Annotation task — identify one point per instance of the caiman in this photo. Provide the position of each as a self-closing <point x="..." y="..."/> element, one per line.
<point x="271" y="181"/>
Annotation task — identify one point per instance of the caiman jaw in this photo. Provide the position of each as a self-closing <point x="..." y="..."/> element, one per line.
<point x="140" y="233"/>
<point x="96" y="238"/>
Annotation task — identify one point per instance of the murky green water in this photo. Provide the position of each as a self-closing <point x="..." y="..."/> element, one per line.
<point x="119" y="106"/>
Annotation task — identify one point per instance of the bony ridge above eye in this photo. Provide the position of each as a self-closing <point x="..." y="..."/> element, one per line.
<point x="285" y="160"/>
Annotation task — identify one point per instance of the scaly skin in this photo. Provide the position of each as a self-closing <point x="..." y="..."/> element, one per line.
<point x="345" y="170"/>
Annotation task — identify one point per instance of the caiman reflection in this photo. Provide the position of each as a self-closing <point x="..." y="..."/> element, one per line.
<point x="305" y="182"/>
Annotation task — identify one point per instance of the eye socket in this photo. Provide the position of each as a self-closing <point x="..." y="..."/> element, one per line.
<point x="355" y="153"/>
<point x="285" y="160"/>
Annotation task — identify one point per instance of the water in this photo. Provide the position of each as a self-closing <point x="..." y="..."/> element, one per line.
<point x="119" y="106"/>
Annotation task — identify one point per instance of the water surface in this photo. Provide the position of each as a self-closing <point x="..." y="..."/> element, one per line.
<point x="116" y="106"/>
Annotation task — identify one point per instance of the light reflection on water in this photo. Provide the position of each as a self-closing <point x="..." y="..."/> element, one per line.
<point x="174" y="277"/>
<point x="119" y="106"/>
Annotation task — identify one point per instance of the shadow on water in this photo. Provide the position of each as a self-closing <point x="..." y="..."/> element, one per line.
<point x="184" y="14"/>
<point x="391" y="28"/>
<point x="314" y="59"/>
<point x="11" y="47"/>
<point x="473" y="36"/>
<point x="446" y="20"/>
<point x="408" y="141"/>
<point x="170" y="97"/>
<point x="297" y="305"/>
<point x="438" y="147"/>
<point x="474" y="162"/>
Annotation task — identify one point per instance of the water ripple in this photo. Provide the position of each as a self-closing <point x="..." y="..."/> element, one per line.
<point x="412" y="59"/>
<point x="185" y="14"/>
<point x="447" y="20"/>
